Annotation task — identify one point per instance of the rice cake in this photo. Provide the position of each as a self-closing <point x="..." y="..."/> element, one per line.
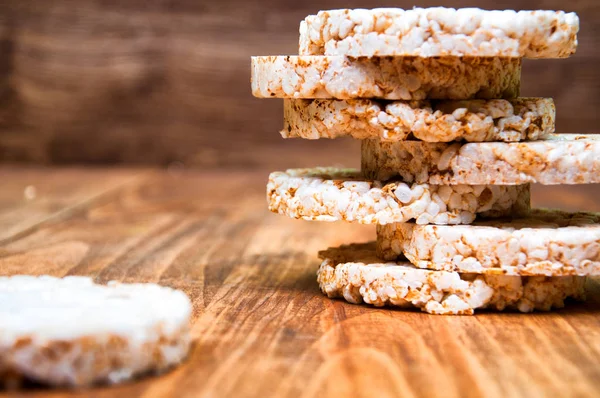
<point x="354" y="273"/>
<point x="558" y="159"/>
<point x="332" y="194"/>
<point x="72" y="332"/>
<point x="440" y="32"/>
<point x="547" y="242"/>
<point x="389" y="78"/>
<point x="432" y="121"/>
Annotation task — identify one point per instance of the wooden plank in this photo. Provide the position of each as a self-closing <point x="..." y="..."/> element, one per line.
<point x="261" y="326"/>
<point x="571" y="198"/>
<point x="155" y="82"/>
<point x="30" y="197"/>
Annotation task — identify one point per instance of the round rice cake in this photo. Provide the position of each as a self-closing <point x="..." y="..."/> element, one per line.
<point x="558" y="159"/>
<point x="389" y="78"/>
<point x="440" y="32"/>
<point x="433" y="121"/>
<point x="72" y="332"/>
<point x="332" y="194"/>
<point x="547" y="242"/>
<point x="354" y="273"/>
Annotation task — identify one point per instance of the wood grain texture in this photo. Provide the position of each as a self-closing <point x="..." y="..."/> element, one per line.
<point x="156" y="82"/>
<point x="261" y="326"/>
<point x="29" y="198"/>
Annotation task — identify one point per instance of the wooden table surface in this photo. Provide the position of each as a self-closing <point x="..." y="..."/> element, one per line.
<point x="261" y="326"/>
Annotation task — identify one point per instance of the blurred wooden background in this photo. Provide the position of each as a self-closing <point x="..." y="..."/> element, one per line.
<point x="167" y="82"/>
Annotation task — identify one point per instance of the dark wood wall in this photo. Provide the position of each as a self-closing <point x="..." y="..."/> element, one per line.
<point x="164" y="81"/>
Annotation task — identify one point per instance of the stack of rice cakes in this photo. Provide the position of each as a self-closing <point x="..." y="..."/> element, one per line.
<point x="434" y="96"/>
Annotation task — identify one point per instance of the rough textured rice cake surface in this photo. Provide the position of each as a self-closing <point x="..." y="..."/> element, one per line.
<point x="331" y="194"/>
<point x="558" y="159"/>
<point x="433" y="121"/>
<point x="73" y="332"/>
<point x="388" y="77"/>
<point x="354" y="273"/>
<point x="547" y="242"/>
<point x="434" y="32"/>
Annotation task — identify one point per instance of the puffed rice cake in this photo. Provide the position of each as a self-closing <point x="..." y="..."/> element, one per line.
<point x="547" y="242"/>
<point x="558" y="159"/>
<point x="389" y="78"/>
<point x="332" y="194"/>
<point x="72" y="332"/>
<point x="438" y="31"/>
<point x="432" y="121"/>
<point x="354" y="273"/>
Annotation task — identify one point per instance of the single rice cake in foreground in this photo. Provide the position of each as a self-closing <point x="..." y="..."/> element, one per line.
<point x="439" y="32"/>
<point x="72" y="332"/>
<point x="558" y="159"/>
<point x="354" y="273"/>
<point x="332" y="194"/>
<point x="387" y="77"/>
<point x="547" y="242"/>
<point x="434" y="121"/>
